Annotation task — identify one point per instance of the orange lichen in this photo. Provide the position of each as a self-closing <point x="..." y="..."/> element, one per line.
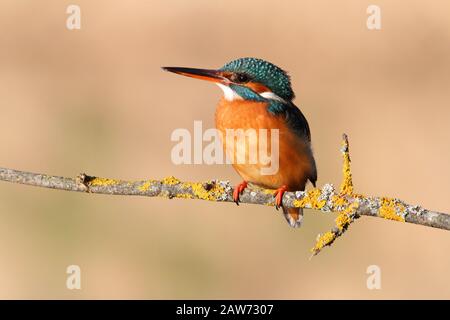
<point x="392" y="209"/>
<point x="324" y="240"/>
<point x="347" y="181"/>
<point x="338" y="201"/>
<point x="200" y="190"/>
<point x="346" y="216"/>
<point x="311" y="200"/>
<point x="101" y="182"/>
<point x="170" y="181"/>
<point x="146" y="185"/>
<point x="343" y="220"/>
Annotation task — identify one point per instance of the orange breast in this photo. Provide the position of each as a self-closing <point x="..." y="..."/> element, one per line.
<point x="294" y="160"/>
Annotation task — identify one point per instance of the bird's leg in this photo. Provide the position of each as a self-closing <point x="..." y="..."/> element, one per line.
<point x="238" y="191"/>
<point x="279" y="196"/>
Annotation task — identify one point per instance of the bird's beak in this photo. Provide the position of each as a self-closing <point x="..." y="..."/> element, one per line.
<point x="203" y="74"/>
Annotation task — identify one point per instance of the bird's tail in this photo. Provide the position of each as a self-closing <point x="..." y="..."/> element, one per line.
<point x="294" y="216"/>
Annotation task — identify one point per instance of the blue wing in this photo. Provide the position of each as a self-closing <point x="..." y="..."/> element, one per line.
<point x="299" y="125"/>
<point x="294" y="117"/>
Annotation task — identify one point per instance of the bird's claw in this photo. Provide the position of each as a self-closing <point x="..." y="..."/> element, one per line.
<point x="279" y="197"/>
<point x="238" y="191"/>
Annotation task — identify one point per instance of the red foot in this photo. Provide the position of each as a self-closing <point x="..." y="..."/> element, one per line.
<point x="238" y="191"/>
<point x="279" y="196"/>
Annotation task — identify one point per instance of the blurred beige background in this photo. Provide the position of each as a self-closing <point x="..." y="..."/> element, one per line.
<point x="95" y="100"/>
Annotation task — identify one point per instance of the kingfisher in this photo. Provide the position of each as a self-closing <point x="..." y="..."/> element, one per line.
<point x="258" y="95"/>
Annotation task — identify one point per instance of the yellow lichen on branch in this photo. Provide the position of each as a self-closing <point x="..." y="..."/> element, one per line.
<point x="103" y="182"/>
<point x="347" y="204"/>
<point x="210" y="191"/>
<point x="343" y="220"/>
<point x="347" y="180"/>
<point x="170" y="180"/>
<point x="346" y="211"/>
<point x="146" y="185"/>
<point x="312" y="200"/>
<point x="392" y="209"/>
<point x="323" y="240"/>
<point x="388" y="208"/>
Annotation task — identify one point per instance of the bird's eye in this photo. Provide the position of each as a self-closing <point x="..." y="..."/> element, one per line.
<point x="240" y="78"/>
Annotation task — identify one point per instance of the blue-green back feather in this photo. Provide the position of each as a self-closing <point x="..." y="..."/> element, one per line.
<point x="293" y="116"/>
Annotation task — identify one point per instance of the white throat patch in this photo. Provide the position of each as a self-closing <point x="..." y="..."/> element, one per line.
<point x="228" y="93"/>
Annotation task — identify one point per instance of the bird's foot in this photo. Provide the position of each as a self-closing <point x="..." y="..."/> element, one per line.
<point x="279" y="196"/>
<point x="238" y="191"/>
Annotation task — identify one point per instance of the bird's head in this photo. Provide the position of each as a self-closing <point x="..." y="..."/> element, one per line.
<point x="245" y="78"/>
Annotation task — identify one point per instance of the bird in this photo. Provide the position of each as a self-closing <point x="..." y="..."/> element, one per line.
<point x="258" y="95"/>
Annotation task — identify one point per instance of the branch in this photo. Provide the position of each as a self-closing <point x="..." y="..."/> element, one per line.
<point x="347" y="204"/>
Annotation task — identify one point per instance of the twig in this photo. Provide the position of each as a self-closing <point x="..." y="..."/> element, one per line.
<point x="346" y="203"/>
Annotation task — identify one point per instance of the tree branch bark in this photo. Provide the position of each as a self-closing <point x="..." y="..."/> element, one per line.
<point x="345" y="202"/>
